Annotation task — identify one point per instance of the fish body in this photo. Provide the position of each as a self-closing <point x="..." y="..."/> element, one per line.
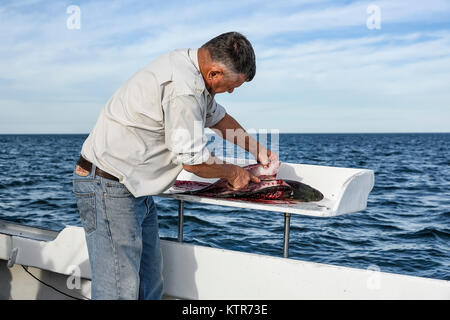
<point x="269" y="188"/>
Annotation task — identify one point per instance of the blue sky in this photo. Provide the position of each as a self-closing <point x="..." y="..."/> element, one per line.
<point x="319" y="67"/>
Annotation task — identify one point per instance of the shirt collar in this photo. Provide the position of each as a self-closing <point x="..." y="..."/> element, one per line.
<point x="194" y="58"/>
<point x="192" y="53"/>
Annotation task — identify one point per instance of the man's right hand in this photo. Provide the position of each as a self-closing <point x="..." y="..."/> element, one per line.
<point x="240" y="178"/>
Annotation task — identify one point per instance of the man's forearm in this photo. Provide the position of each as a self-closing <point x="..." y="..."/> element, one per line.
<point x="237" y="177"/>
<point x="228" y="128"/>
<point x="213" y="168"/>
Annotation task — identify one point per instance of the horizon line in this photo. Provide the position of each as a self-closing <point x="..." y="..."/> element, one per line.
<point x="356" y="132"/>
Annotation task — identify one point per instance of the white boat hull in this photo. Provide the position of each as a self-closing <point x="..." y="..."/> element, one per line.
<point x="197" y="272"/>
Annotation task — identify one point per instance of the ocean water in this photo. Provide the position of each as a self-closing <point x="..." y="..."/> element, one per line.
<point x="405" y="228"/>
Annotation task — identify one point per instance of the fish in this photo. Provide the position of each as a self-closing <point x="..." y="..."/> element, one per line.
<point x="269" y="187"/>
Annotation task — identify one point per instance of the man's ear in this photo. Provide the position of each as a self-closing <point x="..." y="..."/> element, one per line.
<point x="215" y="72"/>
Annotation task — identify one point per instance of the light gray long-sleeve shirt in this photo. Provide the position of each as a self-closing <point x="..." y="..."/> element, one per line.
<point x="155" y="123"/>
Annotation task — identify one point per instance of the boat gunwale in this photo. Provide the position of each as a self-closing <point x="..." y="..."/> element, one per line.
<point x="29" y="232"/>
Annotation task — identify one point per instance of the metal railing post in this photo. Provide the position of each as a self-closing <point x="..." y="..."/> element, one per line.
<point x="180" y="220"/>
<point x="287" y="227"/>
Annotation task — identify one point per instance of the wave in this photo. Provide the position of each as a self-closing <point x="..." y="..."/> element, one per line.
<point x="426" y="233"/>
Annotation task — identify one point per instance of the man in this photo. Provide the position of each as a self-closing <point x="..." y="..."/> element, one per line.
<point x="145" y="135"/>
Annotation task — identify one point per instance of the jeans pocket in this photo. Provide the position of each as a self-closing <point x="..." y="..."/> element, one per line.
<point x="116" y="190"/>
<point x="86" y="208"/>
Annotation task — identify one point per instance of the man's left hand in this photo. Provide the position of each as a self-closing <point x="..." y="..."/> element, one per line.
<point x="266" y="156"/>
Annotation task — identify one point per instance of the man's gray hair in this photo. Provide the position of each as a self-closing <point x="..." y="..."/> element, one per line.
<point x="234" y="51"/>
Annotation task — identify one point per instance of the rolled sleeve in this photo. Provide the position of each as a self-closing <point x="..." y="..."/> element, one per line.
<point x="184" y="130"/>
<point x="214" y="113"/>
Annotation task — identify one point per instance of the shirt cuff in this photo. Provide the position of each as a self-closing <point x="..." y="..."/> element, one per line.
<point x="193" y="158"/>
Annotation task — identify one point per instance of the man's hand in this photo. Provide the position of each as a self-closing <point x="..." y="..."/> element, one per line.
<point x="265" y="156"/>
<point x="240" y="178"/>
<point x="237" y="177"/>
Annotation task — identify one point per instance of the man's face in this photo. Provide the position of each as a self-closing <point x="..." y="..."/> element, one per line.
<point x="224" y="81"/>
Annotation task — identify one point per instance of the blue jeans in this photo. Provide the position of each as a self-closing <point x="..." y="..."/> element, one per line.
<point x="122" y="239"/>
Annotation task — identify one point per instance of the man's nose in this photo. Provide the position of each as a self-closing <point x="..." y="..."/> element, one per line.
<point x="230" y="90"/>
